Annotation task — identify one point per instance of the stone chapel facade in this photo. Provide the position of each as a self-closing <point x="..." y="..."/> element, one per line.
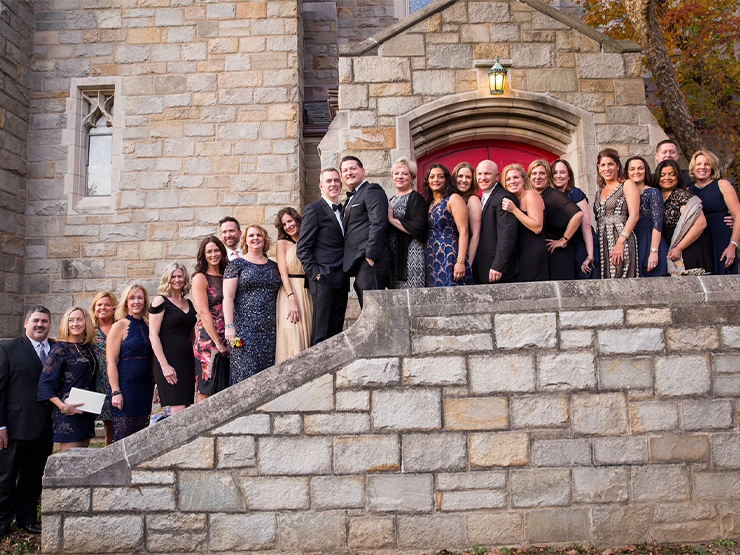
<point x="128" y="128"/>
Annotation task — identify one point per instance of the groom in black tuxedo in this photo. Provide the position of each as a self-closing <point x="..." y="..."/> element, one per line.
<point x="25" y="424"/>
<point x="367" y="254"/>
<point x="321" y="249"/>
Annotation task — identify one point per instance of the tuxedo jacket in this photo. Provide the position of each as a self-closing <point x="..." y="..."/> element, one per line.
<point x="497" y="239"/>
<point x="20" y="369"/>
<point x="321" y="245"/>
<point x="366" y="225"/>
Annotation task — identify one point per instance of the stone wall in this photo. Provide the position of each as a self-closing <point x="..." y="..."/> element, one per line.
<point x="422" y="84"/>
<point x="210" y="92"/>
<point x="602" y="412"/>
<point x="16" y="49"/>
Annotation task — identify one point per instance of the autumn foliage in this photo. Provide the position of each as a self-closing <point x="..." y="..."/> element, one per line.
<point x="700" y="36"/>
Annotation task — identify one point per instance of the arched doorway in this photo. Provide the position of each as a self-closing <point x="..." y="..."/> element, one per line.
<point x="501" y="152"/>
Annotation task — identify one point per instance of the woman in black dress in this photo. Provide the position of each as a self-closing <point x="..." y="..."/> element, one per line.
<point x="71" y="363"/>
<point x="130" y="364"/>
<point x="251" y="286"/>
<point x="531" y="250"/>
<point x="562" y="221"/>
<point x="172" y="334"/>
<point x="692" y="251"/>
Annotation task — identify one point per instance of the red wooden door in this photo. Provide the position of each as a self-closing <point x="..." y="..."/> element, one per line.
<point x="473" y="152"/>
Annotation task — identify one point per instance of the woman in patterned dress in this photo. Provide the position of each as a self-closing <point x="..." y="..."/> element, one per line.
<point x="250" y="293"/>
<point x="294" y="301"/>
<point x="466" y="185"/>
<point x="102" y="312"/>
<point x="651" y="248"/>
<point x="447" y="239"/>
<point x="617" y="210"/>
<point x="407" y="215"/>
<point x="130" y="364"/>
<point x="71" y="363"/>
<point x="208" y="295"/>
<point x="719" y="199"/>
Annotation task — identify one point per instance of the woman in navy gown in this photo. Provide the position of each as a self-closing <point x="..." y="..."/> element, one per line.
<point x="251" y="286"/>
<point x="71" y="363"/>
<point x="719" y="199"/>
<point x="172" y="333"/>
<point x="447" y="238"/>
<point x="129" y="359"/>
<point x="652" y="251"/>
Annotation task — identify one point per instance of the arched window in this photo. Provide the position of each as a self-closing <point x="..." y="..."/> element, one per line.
<point x="98" y="124"/>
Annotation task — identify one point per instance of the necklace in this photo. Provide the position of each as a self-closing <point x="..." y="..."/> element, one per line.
<point x="89" y="365"/>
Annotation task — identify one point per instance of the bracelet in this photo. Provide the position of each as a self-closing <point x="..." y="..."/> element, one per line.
<point x="733" y="243"/>
<point x="227" y="326"/>
<point x="624" y="234"/>
<point x="289" y="294"/>
<point x="459" y="262"/>
<point x="65" y="409"/>
<point x="565" y="239"/>
<point x="653" y="250"/>
<point x="116" y="392"/>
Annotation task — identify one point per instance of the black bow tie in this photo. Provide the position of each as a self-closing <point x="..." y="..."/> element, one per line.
<point x="350" y="194"/>
<point x="336" y="207"/>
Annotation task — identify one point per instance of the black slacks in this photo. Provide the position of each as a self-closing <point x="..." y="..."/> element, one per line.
<point x="329" y="307"/>
<point x="371" y="278"/>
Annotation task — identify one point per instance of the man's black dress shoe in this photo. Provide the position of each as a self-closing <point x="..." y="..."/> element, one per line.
<point x="34" y="528"/>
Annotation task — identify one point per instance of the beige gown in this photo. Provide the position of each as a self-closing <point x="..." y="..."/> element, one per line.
<point x="293" y="338"/>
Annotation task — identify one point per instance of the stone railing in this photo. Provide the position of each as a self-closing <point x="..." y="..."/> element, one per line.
<point x="601" y="411"/>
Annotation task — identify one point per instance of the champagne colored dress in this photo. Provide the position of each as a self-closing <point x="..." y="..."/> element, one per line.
<point x="293" y="338"/>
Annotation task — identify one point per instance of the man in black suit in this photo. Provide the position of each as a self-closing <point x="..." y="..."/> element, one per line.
<point x="321" y="249"/>
<point x="495" y="260"/>
<point x="25" y="424"/>
<point x="367" y="254"/>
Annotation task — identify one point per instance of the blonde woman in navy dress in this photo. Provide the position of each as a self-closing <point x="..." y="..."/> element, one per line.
<point x="719" y="199"/>
<point x="172" y="320"/>
<point x="71" y="363"/>
<point x="251" y="286"/>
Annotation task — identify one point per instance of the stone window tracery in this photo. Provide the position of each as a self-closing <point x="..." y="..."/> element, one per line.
<point x="98" y="124"/>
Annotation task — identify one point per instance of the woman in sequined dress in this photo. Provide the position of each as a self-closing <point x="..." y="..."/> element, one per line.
<point x="102" y="312"/>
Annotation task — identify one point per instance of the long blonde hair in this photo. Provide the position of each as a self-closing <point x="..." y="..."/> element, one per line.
<point x="517" y="168"/>
<point x="165" y="288"/>
<point x="96" y="298"/>
<point x="122" y="308"/>
<point x="89" y="328"/>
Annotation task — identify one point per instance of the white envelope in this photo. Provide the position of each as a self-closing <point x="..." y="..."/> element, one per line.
<point x="91" y="400"/>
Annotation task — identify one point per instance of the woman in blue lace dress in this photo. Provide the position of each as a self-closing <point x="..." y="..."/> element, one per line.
<point x="129" y="359"/>
<point x="102" y="312"/>
<point x="719" y="199"/>
<point x="652" y="251"/>
<point x="71" y="363"/>
<point x="447" y="239"/>
<point x="251" y="286"/>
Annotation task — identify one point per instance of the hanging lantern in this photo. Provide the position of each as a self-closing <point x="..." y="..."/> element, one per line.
<point x="497" y="78"/>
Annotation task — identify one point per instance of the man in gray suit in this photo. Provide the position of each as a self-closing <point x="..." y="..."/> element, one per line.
<point x="25" y="424"/>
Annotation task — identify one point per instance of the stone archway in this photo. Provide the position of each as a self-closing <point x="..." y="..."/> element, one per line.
<point x="529" y="118"/>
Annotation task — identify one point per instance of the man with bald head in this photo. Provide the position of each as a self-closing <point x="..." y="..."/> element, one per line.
<point x="495" y="261"/>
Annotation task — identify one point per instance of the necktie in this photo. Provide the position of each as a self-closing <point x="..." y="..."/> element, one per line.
<point x="42" y="353"/>
<point x="336" y="207"/>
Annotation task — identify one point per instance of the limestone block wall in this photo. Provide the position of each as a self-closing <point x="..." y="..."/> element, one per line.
<point x="210" y="93"/>
<point x="601" y="412"/>
<point x="16" y="48"/>
<point x="422" y="84"/>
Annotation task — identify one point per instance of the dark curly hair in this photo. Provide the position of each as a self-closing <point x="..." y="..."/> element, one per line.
<point x="293" y="213"/>
<point x="201" y="264"/>
<point x="648" y="176"/>
<point x="614" y="156"/>
<point x="448" y="188"/>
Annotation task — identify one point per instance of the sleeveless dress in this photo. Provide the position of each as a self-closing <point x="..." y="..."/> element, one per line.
<point x="697" y="254"/>
<point x="718" y="234"/>
<point x="579" y="245"/>
<point x="174" y="334"/>
<point x="204" y="346"/>
<point x="135" y="380"/>
<point x="68" y="365"/>
<point x="651" y="217"/>
<point x="559" y="211"/>
<point x="293" y="338"/>
<point x="531" y="254"/>
<point x="415" y="262"/>
<point x="611" y="215"/>
<point x="102" y="385"/>
<point x="254" y="316"/>
<point x="442" y="249"/>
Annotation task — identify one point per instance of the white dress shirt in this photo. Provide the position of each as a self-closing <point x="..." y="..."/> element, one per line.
<point x="337" y="213"/>
<point x="236" y="253"/>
